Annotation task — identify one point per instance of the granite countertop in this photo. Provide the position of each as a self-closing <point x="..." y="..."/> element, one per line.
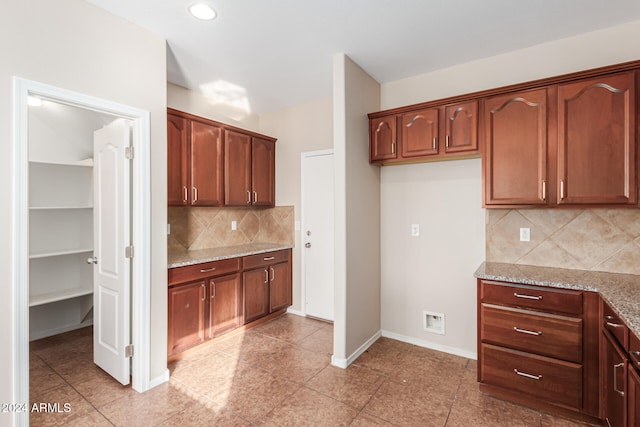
<point x="177" y="258"/>
<point x="620" y="291"/>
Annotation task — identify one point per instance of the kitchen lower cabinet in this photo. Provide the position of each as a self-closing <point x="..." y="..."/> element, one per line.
<point x="186" y="316"/>
<point x="212" y="298"/>
<point x="633" y="400"/>
<point x="538" y="346"/>
<point x="614" y="371"/>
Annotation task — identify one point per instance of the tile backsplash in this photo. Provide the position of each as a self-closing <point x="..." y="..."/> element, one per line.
<point x="589" y="239"/>
<point x="202" y="228"/>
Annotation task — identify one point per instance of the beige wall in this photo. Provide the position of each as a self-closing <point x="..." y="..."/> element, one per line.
<point x="403" y="188"/>
<point x="197" y="103"/>
<point x="76" y="46"/>
<point x="357" y="212"/>
<point x="299" y="129"/>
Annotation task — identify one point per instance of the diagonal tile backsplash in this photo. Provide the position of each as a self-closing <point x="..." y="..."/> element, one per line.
<point x="590" y="239"/>
<point x="202" y="228"/>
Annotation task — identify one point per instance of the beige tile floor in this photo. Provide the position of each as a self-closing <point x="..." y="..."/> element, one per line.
<point x="277" y="374"/>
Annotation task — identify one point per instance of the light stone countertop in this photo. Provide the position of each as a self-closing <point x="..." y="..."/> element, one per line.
<point x="183" y="258"/>
<point x="620" y="291"/>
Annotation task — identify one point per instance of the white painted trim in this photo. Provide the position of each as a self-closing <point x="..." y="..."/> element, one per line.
<point x="344" y="363"/>
<point x="434" y="346"/>
<point x="295" y="312"/>
<point x="303" y="281"/>
<point x="159" y="380"/>
<point x="141" y="266"/>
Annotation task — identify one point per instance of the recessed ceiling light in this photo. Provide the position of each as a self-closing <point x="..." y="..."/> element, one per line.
<point x="202" y="11"/>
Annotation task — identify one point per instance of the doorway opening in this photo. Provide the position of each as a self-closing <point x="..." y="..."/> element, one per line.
<point x="53" y="229"/>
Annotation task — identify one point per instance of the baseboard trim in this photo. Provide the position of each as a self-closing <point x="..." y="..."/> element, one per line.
<point x="159" y="380"/>
<point x="344" y="363"/>
<point x="55" y="331"/>
<point x="296" y="312"/>
<point x="433" y="346"/>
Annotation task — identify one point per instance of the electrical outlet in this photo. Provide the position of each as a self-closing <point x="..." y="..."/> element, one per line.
<point x="525" y="234"/>
<point x="234" y="225"/>
<point x="415" y="230"/>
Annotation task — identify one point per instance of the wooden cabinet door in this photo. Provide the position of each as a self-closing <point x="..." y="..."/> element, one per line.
<point x="461" y="127"/>
<point x="382" y="138"/>
<point x="419" y="133"/>
<point x="515" y="149"/>
<point x="614" y="383"/>
<point x="186" y="316"/>
<point x="633" y="398"/>
<point x="263" y="172"/>
<point x="237" y="169"/>
<point x="177" y="161"/>
<point x="597" y="141"/>
<point x="279" y="286"/>
<point x="225" y="304"/>
<point x="255" y="293"/>
<point x="206" y="165"/>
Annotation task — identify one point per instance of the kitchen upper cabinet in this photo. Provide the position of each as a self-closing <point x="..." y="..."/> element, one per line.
<point x="194" y="162"/>
<point x="382" y="135"/>
<point x="597" y="141"/>
<point x="419" y="133"/>
<point x="515" y="149"/>
<point x="249" y="170"/>
<point x="461" y="127"/>
<point x="177" y="160"/>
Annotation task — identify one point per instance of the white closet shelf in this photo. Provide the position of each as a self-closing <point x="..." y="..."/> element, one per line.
<point x="49" y="208"/>
<point x="88" y="163"/>
<point x="66" y="294"/>
<point x="61" y="253"/>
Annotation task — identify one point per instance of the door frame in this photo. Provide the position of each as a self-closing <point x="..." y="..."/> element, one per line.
<point x="303" y="279"/>
<point x="141" y="230"/>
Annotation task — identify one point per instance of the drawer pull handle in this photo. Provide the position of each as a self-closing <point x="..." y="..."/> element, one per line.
<point x="525" y="331"/>
<point x="615" y="378"/>
<point x="608" y="322"/>
<point x="269" y="258"/>
<point x="206" y="270"/>
<point x="535" y="297"/>
<point x="524" y="374"/>
<point x="634" y="357"/>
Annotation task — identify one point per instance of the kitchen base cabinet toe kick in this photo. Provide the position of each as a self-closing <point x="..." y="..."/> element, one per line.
<point x="538" y="347"/>
<point x="207" y="300"/>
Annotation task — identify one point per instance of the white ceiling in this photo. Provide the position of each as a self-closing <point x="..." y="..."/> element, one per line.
<point x="263" y="55"/>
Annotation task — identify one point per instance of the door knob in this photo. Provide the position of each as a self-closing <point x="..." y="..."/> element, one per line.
<point x="307" y="245"/>
<point x="93" y="260"/>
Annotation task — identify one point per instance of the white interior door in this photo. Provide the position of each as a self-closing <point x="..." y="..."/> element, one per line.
<point x="317" y="229"/>
<point x="111" y="274"/>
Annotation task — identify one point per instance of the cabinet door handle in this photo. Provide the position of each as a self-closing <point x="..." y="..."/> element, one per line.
<point x="248" y="197"/>
<point x="544" y="190"/>
<point x="273" y="274"/>
<point x="213" y="289"/>
<point x="204" y="291"/>
<point x="615" y="378"/>
<point x="435" y="141"/>
<point x="266" y="276"/>
<point x="255" y="197"/>
<point x="185" y="193"/>
<point x="526" y="331"/>
<point x="524" y="296"/>
<point x="206" y="270"/>
<point x="562" y="189"/>
<point x="195" y="194"/>
<point x="393" y="148"/>
<point x="524" y="374"/>
<point x="447" y="142"/>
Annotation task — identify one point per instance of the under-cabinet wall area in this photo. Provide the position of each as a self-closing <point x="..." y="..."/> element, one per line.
<point x="61" y="217"/>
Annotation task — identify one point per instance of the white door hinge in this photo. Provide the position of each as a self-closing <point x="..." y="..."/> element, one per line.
<point x="128" y="152"/>
<point x="128" y="351"/>
<point x="128" y="252"/>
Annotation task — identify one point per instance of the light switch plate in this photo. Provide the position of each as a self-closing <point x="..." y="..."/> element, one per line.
<point x="415" y="230"/>
<point x="525" y="234"/>
<point x="234" y="225"/>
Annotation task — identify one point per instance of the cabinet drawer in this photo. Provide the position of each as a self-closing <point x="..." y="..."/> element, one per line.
<point x="539" y="298"/>
<point x="262" y="260"/>
<point x="634" y="351"/>
<point x="540" y="377"/>
<point x="205" y="269"/>
<point x="534" y="332"/>
<point x="612" y="323"/>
